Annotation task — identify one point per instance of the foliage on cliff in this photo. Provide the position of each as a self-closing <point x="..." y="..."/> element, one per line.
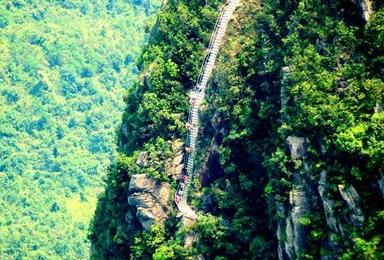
<point x="157" y="107"/>
<point x="64" y="66"/>
<point x="311" y="69"/>
<point x="308" y="69"/>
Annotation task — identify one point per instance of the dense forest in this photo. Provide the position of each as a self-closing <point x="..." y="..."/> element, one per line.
<point x="64" y="69"/>
<point x="291" y="146"/>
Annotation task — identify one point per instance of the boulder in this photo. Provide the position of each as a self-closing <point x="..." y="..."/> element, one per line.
<point x="149" y="198"/>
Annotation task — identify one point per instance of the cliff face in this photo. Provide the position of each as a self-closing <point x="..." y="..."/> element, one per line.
<point x="149" y="199"/>
<point x="297" y="125"/>
<point x="365" y="7"/>
<point x="290" y="156"/>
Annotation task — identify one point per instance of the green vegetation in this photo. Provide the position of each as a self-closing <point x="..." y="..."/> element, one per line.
<point x="311" y="69"/>
<point x="156" y="110"/>
<point x="63" y="70"/>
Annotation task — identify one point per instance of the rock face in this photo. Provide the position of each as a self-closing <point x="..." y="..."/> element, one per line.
<point x="328" y="203"/>
<point x="149" y="198"/>
<point x="297" y="147"/>
<point x="352" y="199"/>
<point x="330" y="217"/>
<point x="305" y="197"/>
<point x="175" y="165"/>
<point x="365" y="7"/>
<point x="381" y="185"/>
<point x="291" y="233"/>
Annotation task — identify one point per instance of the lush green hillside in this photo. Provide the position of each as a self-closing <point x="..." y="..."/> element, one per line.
<point x="291" y="150"/>
<point x="64" y="68"/>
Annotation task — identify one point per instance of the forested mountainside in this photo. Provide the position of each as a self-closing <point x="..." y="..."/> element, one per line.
<point x="64" y="67"/>
<point x="291" y="147"/>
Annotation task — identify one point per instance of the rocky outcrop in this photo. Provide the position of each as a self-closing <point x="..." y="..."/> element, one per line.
<point x="330" y="216"/>
<point x="365" y="7"/>
<point x="352" y="198"/>
<point x="328" y="204"/>
<point x="381" y="185"/>
<point x="297" y="147"/>
<point x="175" y="165"/>
<point x="149" y="198"/>
<point x="291" y="232"/>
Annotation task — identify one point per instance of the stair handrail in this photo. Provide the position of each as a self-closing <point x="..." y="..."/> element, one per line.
<point x="198" y="93"/>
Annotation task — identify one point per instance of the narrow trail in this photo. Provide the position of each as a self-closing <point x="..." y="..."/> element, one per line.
<point x="198" y="94"/>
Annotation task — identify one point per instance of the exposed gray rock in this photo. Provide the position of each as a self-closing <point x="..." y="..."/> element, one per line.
<point x="328" y="204"/>
<point x="281" y="226"/>
<point x="301" y="205"/>
<point x="381" y="185"/>
<point x="352" y="198"/>
<point x="330" y="218"/>
<point x="150" y="199"/>
<point x="289" y="245"/>
<point x="297" y="147"/>
<point x="365" y="7"/>
<point x="291" y="233"/>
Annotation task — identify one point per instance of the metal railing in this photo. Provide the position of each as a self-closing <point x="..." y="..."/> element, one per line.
<point x="198" y="94"/>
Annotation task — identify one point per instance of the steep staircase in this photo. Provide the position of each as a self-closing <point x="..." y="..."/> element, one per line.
<point x="198" y="93"/>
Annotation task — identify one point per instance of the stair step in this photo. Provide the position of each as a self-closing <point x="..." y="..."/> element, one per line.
<point x="207" y="68"/>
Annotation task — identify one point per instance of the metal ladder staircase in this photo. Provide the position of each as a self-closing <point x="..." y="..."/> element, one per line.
<point x="198" y="94"/>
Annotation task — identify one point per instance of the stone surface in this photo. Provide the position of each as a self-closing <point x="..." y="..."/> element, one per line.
<point x="328" y="204"/>
<point x="330" y="218"/>
<point x="291" y="233"/>
<point x="365" y="7"/>
<point x="149" y="198"/>
<point x="381" y="185"/>
<point x="175" y="166"/>
<point x="352" y="198"/>
<point x="297" y="147"/>
<point x="300" y="207"/>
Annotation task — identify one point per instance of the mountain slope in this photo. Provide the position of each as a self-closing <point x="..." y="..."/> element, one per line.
<point x="291" y="152"/>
